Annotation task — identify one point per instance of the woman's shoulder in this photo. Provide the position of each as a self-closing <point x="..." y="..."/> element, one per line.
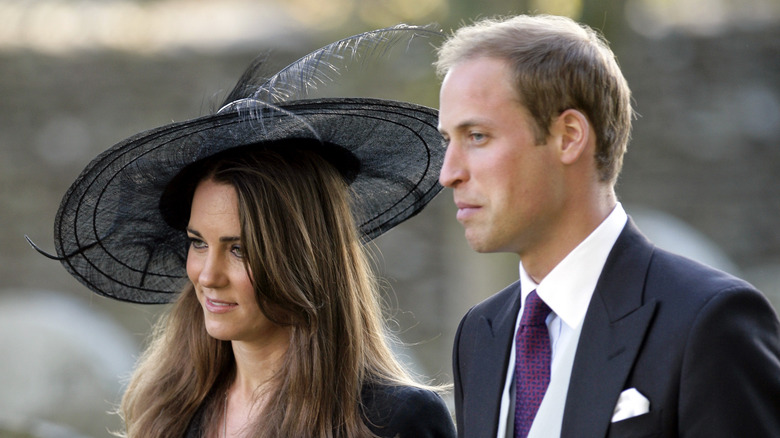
<point x="406" y="411"/>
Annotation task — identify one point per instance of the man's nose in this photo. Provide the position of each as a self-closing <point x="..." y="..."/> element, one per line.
<point x="453" y="171"/>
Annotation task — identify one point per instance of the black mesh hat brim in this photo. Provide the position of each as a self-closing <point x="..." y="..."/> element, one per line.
<point x="111" y="235"/>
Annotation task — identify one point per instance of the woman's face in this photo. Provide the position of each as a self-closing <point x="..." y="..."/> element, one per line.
<point x="216" y="268"/>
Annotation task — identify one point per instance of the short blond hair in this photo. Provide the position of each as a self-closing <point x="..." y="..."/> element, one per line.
<point x="557" y="64"/>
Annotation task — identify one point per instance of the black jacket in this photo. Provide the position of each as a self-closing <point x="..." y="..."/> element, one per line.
<point x="391" y="412"/>
<point x="701" y="345"/>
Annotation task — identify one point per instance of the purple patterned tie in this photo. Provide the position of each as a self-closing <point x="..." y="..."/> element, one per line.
<point x="532" y="363"/>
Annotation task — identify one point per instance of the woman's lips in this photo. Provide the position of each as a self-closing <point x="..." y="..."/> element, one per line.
<point x="218" y="306"/>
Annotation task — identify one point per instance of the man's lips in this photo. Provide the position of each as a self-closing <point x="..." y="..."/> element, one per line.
<point x="219" y="306"/>
<point x="466" y="210"/>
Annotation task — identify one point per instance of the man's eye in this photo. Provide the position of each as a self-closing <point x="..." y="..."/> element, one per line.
<point x="478" y="136"/>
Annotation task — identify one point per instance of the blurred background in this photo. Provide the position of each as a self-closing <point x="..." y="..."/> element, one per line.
<point x="76" y="76"/>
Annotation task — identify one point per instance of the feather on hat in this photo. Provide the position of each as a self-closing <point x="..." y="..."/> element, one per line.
<point x="111" y="234"/>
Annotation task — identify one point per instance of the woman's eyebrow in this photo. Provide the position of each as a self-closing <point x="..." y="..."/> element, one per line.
<point x="221" y="239"/>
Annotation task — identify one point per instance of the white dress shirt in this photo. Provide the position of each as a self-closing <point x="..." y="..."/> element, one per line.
<point x="567" y="290"/>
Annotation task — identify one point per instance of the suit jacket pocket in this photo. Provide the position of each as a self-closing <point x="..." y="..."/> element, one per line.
<point x="642" y="426"/>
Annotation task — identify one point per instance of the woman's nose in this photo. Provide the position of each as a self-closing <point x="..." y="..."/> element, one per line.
<point x="212" y="274"/>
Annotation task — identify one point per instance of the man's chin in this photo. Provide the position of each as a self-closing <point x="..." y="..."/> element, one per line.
<point x="478" y="243"/>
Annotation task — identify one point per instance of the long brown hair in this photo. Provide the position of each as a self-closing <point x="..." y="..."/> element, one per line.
<point x="310" y="272"/>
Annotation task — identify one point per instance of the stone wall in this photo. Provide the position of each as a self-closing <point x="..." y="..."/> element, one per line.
<point x="704" y="152"/>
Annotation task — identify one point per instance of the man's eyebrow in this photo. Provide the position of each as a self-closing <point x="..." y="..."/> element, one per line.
<point x="470" y="123"/>
<point x="465" y="125"/>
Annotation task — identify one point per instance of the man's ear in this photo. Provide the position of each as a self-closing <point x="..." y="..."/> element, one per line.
<point x="574" y="131"/>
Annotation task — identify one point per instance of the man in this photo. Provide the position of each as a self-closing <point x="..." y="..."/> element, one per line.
<point x="635" y="341"/>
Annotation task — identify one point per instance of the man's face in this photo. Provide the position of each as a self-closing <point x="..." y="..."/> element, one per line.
<point x="507" y="188"/>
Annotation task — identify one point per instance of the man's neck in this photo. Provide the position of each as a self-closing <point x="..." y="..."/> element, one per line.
<point x="575" y="227"/>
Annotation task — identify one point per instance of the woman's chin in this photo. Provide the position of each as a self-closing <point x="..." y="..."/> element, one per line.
<point x="218" y="332"/>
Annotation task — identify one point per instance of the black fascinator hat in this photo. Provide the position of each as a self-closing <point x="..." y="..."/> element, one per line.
<point x="113" y="230"/>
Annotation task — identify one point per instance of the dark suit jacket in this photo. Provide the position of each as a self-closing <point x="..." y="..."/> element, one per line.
<point x="701" y="345"/>
<point x="391" y="412"/>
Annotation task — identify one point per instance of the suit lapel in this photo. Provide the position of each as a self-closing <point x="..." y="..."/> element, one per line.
<point x="612" y="334"/>
<point x="496" y="330"/>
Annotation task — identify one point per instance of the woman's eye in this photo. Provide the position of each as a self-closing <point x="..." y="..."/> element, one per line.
<point x="238" y="251"/>
<point x="197" y="243"/>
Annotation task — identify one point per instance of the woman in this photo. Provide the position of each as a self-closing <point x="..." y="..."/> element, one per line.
<point x="251" y="221"/>
<point x="296" y="344"/>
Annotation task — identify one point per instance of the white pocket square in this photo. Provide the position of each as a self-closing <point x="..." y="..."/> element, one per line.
<point x="630" y="404"/>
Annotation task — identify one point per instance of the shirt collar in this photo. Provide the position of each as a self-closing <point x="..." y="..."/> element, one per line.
<point x="568" y="288"/>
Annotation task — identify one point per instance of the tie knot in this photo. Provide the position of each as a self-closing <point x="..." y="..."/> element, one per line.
<point x="535" y="312"/>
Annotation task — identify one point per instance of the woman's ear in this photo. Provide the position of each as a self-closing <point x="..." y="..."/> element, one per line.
<point x="575" y="134"/>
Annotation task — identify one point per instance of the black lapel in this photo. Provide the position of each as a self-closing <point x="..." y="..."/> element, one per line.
<point x="612" y="334"/>
<point x="495" y="330"/>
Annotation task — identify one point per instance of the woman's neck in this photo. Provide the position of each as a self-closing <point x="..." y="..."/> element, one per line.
<point x="257" y="364"/>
